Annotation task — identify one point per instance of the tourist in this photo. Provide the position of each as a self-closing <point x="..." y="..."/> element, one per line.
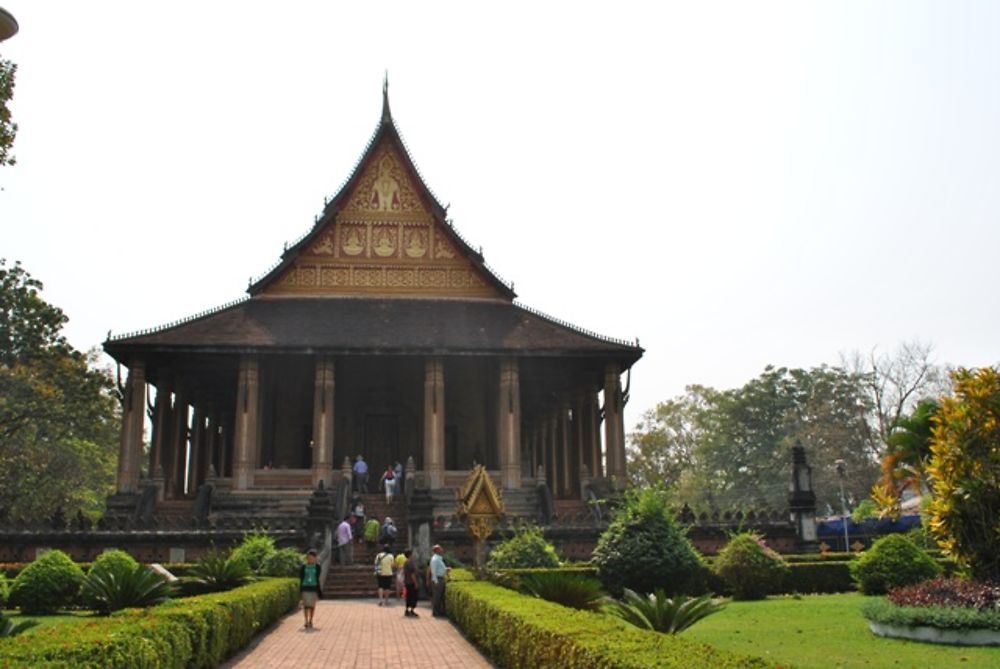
<point x="389" y="482"/>
<point x="398" y="470"/>
<point x="411" y="587"/>
<point x="371" y="531"/>
<point x="387" y="534"/>
<point x="345" y="550"/>
<point x="400" y="581"/>
<point x="384" y="565"/>
<point x="309" y="587"/>
<point x="360" y="474"/>
<point x="358" y="517"/>
<point x="439" y="574"/>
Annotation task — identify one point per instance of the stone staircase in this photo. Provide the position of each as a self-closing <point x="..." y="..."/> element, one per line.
<point x="358" y="580"/>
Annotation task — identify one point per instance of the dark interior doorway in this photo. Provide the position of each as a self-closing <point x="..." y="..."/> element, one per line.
<point x="381" y="443"/>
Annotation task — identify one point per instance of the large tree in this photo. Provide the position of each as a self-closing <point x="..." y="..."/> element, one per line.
<point x="8" y="129"/>
<point x="730" y="449"/>
<point x="58" y="413"/>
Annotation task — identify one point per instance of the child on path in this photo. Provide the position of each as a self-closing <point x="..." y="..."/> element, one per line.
<point x="309" y="587"/>
<point x="383" y="573"/>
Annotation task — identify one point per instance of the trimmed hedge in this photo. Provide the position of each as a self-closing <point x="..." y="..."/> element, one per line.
<point x="942" y="617"/>
<point x="196" y="632"/>
<point x="818" y="578"/>
<point x="518" y="631"/>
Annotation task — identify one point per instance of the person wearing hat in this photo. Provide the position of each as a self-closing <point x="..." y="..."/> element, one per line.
<point x="360" y="474"/>
<point x="439" y="575"/>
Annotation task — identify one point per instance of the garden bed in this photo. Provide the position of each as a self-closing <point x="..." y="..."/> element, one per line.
<point x="515" y="631"/>
<point x="199" y="631"/>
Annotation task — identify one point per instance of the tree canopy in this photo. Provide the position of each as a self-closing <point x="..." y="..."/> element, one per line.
<point x="58" y="413"/>
<point x="8" y="129"/>
<point x="730" y="449"/>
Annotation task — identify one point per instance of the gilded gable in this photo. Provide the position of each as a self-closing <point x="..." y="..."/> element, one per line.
<point x="383" y="241"/>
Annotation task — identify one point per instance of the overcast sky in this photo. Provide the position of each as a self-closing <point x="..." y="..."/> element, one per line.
<point x="736" y="184"/>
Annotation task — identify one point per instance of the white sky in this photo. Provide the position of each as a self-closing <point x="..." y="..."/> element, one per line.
<point x="736" y="184"/>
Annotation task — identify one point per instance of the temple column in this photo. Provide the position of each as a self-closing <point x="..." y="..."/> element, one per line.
<point x="178" y="445"/>
<point x="197" y="446"/>
<point x="322" y="444"/>
<point x="133" y="415"/>
<point x="592" y="423"/>
<point x="566" y="459"/>
<point x="434" y="421"/>
<point x="246" y="439"/>
<point x="580" y="452"/>
<point x="211" y="446"/>
<point x="224" y="446"/>
<point x="551" y="447"/>
<point x="509" y="423"/>
<point x="614" y="425"/>
<point x="160" y="445"/>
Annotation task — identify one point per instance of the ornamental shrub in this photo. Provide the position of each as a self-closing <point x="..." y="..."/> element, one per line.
<point x="115" y="585"/>
<point x="945" y="591"/>
<point x="113" y="559"/>
<point x="4" y="590"/>
<point x="218" y="571"/>
<point x="644" y="549"/>
<point x="891" y="562"/>
<point x="46" y="585"/>
<point x="565" y="588"/>
<point x="965" y="472"/>
<point x="283" y="562"/>
<point x="662" y="614"/>
<point x="527" y="548"/>
<point x="255" y="549"/>
<point x="749" y="568"/>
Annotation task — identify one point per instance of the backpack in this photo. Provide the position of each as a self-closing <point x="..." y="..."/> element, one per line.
<point x="378" y="561"/>
<point x="390" y="531"/>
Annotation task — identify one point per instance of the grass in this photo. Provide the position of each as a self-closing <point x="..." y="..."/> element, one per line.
<point x="825" y="632"/>
<point x="65" y="618"/>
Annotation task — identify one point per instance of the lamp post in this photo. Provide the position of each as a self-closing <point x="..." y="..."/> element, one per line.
<point x="842" y="474"/>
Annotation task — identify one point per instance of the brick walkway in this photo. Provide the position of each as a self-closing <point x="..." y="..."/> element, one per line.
<point x="358" y="633"/>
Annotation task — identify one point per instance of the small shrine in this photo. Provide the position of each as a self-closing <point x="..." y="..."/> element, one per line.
<point x="480" y="507"/>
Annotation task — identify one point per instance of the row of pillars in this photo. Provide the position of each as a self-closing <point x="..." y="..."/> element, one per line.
<point x="567" y="435"/>
<point x="564" y="443"/>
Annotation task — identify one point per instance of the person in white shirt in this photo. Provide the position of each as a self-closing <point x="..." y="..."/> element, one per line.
<point x="439" y="575"/>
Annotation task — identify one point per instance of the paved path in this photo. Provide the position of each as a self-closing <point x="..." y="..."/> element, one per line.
<point x="359" y="633"/>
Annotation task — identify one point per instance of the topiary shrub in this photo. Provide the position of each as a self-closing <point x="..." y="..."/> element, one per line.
<point x="891" y="562"/>
<point x="113" y="559"/>
<point x="283" y="562"/>
<point x="527" y="548"/>
<point x="749" y="568"/>
<point x="644" y="549"/>
<point x="46" y="585"/>
<point x="255" y="549"/>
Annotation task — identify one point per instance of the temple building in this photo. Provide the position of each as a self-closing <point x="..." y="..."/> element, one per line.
<point x="381" y="332"/>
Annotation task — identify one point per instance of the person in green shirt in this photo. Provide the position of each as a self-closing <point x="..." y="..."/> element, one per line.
<point x="371" y="531"/>
<point x="309" y="587"/>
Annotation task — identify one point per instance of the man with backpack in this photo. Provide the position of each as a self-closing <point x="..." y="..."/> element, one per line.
<point x="384" y="564"/>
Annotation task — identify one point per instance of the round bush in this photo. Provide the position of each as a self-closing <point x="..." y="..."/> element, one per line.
<point x="46" y="585"/>
<point x="643" y="550"/>
<point x="114" y="560"/>
<point x="750" y="568"/>
<point x="254" y="550"/>
<point x="283" y="562"/>
<point x="527" y="548"/>
<point x="892" y="561"/>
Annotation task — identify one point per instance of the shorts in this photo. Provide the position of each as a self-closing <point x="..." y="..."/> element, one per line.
<point x="309" y="599"/>
<point x="384" y="582"/>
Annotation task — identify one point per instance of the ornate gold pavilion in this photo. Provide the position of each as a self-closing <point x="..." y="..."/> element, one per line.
<point x="382" y="332"/>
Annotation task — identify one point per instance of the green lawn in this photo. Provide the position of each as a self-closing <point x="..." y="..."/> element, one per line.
<point x="66" y="618"/>
<point x="825" y="632"/>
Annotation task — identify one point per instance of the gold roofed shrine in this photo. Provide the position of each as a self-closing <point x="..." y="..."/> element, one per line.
<point x="381" y="332"/>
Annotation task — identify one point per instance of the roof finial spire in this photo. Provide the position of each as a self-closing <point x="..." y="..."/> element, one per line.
<point x="386" y="114"/>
